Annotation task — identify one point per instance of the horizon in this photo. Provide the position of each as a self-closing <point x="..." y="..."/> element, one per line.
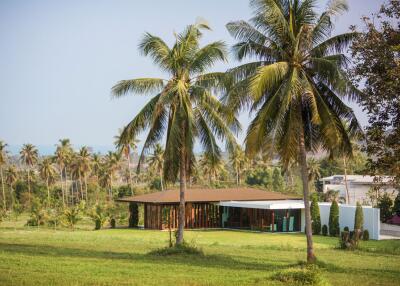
<point x="61" y="59"/>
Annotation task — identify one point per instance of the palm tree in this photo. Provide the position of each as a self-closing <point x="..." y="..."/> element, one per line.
<point x="11" y="178"/>
<point x="238" y="161"/>
<point x="125" y="145"/>
<point x="85" y="166"/>
<point x="47" y="172"/>
<point x="313" y="168"/>
<point x="296" y="85"/>
<point x="183" y="106"/>
<point x="62" y="157"/>
<point x="111" y="166"/>
<point x="211" y="166"/>
<point x="156" y="162"/>
<point x="29" y="156"/>
<point x="3" y="158"/>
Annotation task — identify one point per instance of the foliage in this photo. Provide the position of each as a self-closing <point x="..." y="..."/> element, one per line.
<point x="385" y="203"/>
<point x="178" y="249"/>
<point x="334" y="228"/>
<point x="38" y="215"/>
<point x="277" y="181"/>
<point x="396" y="205"/>
<point x="376" y="57"/>
<point x="349" y="240"/>
<point x="359" y="218"/>
<point x="124" y="191"/>
<point x="365" y="235"/>
<point x="315" y="216"/>
<point x="72" y="215"/>
<point x="54" y="217"/>
<point x="346" y="228"/>
<point x="99" y="216"/>
<point x="309" y="275"/>
<point x="324" y="230"/>
<point x="133" y="215"/>
<point x="259" y="177"/>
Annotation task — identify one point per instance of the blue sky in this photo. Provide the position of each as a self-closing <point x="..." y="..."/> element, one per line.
<point x="59" y="59"/>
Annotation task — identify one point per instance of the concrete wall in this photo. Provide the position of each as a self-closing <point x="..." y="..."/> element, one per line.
<point x="347" y="214"/>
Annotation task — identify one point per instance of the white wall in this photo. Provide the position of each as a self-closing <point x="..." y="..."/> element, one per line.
<point x="347" y="214"/>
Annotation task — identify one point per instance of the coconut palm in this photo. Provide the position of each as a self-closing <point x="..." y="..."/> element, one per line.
<point x="3" y="159"/>
<point x="313" y="168"/>
<point x="110" y="167"/>
<point x="156" y="162"/>
<point x="295" y="83"/>
<point x="85" y="166"/>
<point x="183" y="106"/>
<point x="126" y="145"/>
<point x="211" y="166"/>
<point x="29" y="156"/>
<point x="63" y="157"/>
<point x="238" y="161"/>
<point x="11" y="179"/>
<point x="47" y="172"/>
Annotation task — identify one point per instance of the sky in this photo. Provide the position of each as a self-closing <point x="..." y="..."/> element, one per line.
<point x="59" y="60"/>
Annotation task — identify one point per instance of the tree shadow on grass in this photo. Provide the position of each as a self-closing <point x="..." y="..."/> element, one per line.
<point x="208" y="261"/>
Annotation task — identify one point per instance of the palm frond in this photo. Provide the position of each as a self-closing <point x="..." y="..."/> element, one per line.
<point x="138" y="86"/>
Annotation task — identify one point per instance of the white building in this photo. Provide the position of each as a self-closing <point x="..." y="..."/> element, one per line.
<point x="358" y="186"/>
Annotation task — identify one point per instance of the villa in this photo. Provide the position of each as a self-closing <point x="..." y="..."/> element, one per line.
<point x="241" y="208"/>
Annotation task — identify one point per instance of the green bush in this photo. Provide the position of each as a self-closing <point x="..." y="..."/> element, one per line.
<point x="178" y="249"/>
<point x="396" y="206"/>
<point x="359" y="218"/>
<point x="324" y="230"/>
<point x="98" y="215"/>
<point x="310" y="275"/>
<point x="349" y="240"/>
<point x="346" y="228"/>
<point x="133" y="214"/>
<point x="334" y="229"/>
<point x="365" y="235"/>
<point x="72" y="216"/>
<point x="315" y="216"/>
<point x="112" y="223"/>
<point x="38" y="215"/>
<point x="385" y="203"/>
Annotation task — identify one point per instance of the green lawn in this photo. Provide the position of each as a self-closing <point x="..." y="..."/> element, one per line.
<point x="31" y="256"/>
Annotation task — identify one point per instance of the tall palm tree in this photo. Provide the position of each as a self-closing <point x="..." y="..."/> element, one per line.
<point x="295" y="84"/>
<point x="156" y="162"/>
<point x="11" y="179"/>
<point x="63" y="157"/>
<point x="29" y="156"/>
<point x="313" y="168"/>
<point x="183" y="106"/>
<point x="111" y="166"/>
<point x="3" y="159"/>
<point x="85" y="166"/>
<point x="126" y="145"/>
<point x="47" y="172"/>
<point x="238" y="161"/>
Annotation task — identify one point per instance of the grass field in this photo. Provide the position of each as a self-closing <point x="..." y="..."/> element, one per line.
<point x="31" y="256"/>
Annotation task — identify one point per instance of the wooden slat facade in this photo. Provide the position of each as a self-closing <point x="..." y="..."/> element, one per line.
<point x="197" y="215"/>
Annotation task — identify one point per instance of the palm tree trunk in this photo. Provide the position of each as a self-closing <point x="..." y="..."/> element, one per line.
<point x="345" y="180"/>
<point x="161" y="180"/>
<point x="304" y="177"/>
<point x="237" y="176"/>
<point x="62" y="186"/>
<point x="182" y="189"/>
<point x="130" y="173"/>
<point x="48" y="190"/>
<point x="86" y="191"/>
<point x="12" y="196"/>
<point x="66" y="185"/>
<point x="3" y="189"/>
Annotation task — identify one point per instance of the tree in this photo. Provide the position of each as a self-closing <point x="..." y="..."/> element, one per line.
<point x="156" y="162"/>
<point x="385" y="203"/>
<point x="313" y="171"/>
<point x="29" y="156"/>
<point x="334" y="227"/>
<point x="396" y="206"/>
<point x="47" y="173"/>
<point x="125" y="145"/>
<point x="211" y="166"/>
<point x="3" y="157"/>
<point x="110" y="167"/>
<point x="376" y="57"/>
<point x="359" y="218"/>
<point x="62" y="157"/>
<point x="296" y="85"/>
<point x="315" y="216"/>
<point x="11" y="179"/>
<point x="183" y="107"/>
<point x="277" y="180"/>
<point x="85" y="166"/>
<point x="238" y="161"/>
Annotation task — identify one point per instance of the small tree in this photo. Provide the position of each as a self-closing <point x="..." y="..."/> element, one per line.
<point x="334" y="219"/>
<point x="385" y="203"/>
<point x="324" y="230"/>
<point x="99" y="216"/>
<point x="72" y="216"/>
<point x="315" y="216"/>
<point x="359" y="218"/>
<point x="277" y="180"/>
<point x="133" y="214"/>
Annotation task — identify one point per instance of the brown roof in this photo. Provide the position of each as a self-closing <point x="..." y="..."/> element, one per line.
<point x="209" y="195"/>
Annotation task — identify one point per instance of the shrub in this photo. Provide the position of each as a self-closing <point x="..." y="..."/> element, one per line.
<point x="178" y="249"/>
<point x="349" y="240"/>
<point x="112" y="223"/>
<point x="309" y="275"/>
<point x="334" y="229"/>
<point x="133" y="214"/>
<point x="315" y="216"/>
<point x="385" y="203"/>
<point x="359" y="218"/>
<point x="324" y="230"/>
<point x="396" y="206"/>
<point x="365" y="235"/>
<point x="99" y="216"/>
<point x="54" y="217"/>
<point x="38" y="215"/>
<point x="72" y="216"/>
<point x="346" y="228"/>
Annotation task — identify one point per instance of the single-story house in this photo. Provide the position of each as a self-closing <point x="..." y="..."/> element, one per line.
<point x="241" y="208"/>
<point x="245" y="208"/>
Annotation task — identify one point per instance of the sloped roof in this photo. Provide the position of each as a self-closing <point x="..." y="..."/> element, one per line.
<point x="209" y="195"/>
